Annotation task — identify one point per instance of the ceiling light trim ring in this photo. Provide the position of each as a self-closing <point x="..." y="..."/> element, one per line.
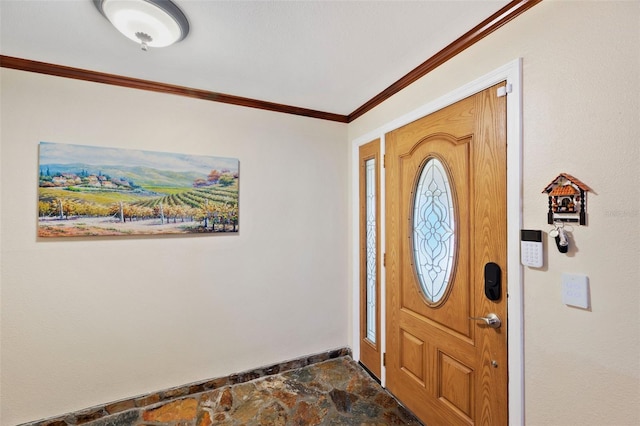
<point x="165" y="7"/>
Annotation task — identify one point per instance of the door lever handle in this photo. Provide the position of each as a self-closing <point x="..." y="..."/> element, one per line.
<point x="492" y="320"/>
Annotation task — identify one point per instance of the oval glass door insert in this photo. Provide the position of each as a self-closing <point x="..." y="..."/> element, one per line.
<point x="433" y="231"/>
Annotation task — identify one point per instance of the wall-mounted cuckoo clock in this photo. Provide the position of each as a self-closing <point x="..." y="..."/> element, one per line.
<point x="567" y="200"/>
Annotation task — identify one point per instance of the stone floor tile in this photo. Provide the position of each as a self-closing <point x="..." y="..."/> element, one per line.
<point x="334" y="392"/>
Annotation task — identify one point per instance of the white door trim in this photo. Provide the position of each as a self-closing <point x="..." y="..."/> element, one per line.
<point x="512" y="73"/>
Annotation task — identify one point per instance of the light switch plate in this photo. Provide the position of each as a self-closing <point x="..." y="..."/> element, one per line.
<point x="575" y="290"/>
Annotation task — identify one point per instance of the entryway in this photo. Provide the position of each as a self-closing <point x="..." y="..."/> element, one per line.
<point x="450" y="214"/>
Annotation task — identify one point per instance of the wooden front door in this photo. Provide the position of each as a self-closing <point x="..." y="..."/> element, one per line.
<point x="445" y="222"/>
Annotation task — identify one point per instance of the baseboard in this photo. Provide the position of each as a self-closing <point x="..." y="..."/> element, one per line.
<point x="140" y="402"/>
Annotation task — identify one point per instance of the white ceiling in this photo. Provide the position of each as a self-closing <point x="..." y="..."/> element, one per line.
<point x="330" y="56"/>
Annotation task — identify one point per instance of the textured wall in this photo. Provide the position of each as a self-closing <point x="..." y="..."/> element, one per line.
<point x="581" y="80"/>
<point x="87" y="321"/>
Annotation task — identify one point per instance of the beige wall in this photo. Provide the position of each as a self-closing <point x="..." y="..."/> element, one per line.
<point x="91" y="321"/>
<point x="581" y="115"/>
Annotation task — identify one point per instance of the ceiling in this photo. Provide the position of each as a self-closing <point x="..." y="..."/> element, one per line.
<point x="331" y="56"/>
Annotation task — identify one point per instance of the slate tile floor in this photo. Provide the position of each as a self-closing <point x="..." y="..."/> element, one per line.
<point x="334" y="392"/>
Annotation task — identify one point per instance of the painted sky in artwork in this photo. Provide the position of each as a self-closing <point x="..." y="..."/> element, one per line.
<point x="56" y="153"/>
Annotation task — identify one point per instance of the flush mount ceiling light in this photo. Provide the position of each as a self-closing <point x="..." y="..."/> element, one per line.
<point x="155" y="23"/>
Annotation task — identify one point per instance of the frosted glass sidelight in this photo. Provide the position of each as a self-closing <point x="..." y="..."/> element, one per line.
<point x="370" y="191"/>
<point x="433" y="230"/>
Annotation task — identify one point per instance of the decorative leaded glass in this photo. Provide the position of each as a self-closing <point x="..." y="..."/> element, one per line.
<point x="370" y="192"/>
<point x="433" y="230"/>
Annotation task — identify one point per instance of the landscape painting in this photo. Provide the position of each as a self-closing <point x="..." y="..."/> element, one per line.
<point x="96" y="191"/>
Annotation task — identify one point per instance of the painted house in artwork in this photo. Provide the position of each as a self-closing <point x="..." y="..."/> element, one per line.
<point x="567" y="199"/>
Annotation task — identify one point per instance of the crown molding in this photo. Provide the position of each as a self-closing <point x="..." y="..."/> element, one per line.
<point x="471" y="37"/>
<point x="486" y="27"/>
<point x="135" y="83"/>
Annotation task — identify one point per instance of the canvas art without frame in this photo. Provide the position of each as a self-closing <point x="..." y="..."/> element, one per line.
<point x="95" y="191"/>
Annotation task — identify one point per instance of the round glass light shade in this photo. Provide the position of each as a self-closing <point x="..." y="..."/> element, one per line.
<point x="156" y="23"/>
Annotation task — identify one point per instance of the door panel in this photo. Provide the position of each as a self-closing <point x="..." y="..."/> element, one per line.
<point x="455" y="154"/>
<point x="369" y="195"/>
<point x="446" y="367"/>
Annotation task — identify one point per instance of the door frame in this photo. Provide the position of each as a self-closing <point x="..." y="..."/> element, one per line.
<point x="512" y="73"/>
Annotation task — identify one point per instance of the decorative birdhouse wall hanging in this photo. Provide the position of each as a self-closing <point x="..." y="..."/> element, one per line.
<point x="567" y="200"/>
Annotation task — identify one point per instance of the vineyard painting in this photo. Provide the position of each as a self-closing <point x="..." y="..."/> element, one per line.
<point x="99" y="191"/>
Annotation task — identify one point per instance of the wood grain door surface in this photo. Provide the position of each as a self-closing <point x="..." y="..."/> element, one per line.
<point x="445" y="367"/>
